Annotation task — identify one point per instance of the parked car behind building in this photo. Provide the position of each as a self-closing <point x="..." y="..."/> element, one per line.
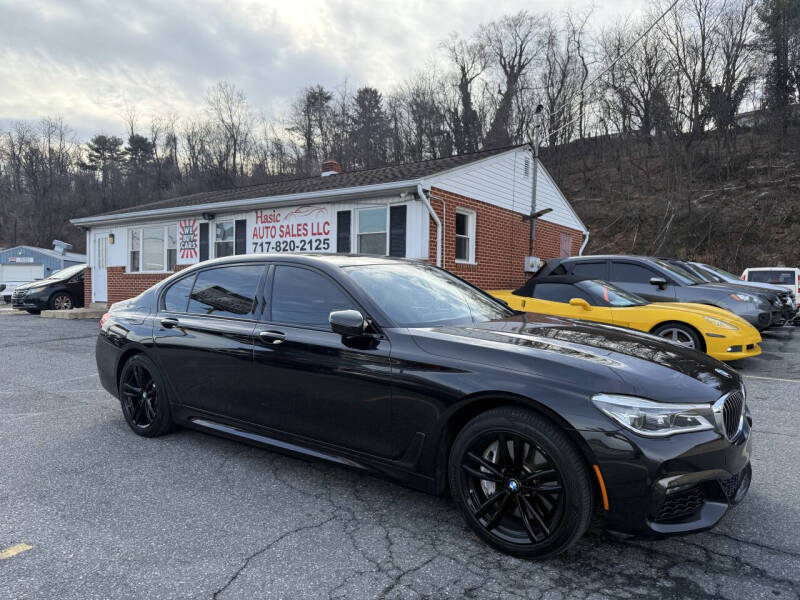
<point x="658" y="281"/>
<point x="63" y="290"/>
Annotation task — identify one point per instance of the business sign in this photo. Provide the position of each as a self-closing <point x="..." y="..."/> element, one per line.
<point x="188" y="242"/>
<point x="20" y="259"/>
<point x="294" y="229"/>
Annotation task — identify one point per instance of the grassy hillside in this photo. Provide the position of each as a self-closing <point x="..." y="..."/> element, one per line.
<point x="733" y="201"/>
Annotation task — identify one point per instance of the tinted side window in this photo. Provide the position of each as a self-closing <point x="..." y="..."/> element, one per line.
<point x="226" y="292"/>
<point x="178" y="294"/>
<point x="305" y="298"/>
<point x="558" y="292"/>
<point x="631" y="273"/>
<point x="591" y="270"/>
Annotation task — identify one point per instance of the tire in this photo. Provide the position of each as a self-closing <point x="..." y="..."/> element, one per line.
<point x="61" y="301"/>
<point x="681" y="334"/>
<point x="552" y="483"/>
<point x="147" y="415"/>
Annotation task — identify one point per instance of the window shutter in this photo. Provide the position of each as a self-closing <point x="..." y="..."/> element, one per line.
<point x="203" y="241"/>
<point x="397" y="231"/>
<point x="240" y="238"/>
<point x="343" y="218"/>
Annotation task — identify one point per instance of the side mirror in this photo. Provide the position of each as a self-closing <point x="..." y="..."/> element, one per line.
<point x="659" y="281"/>
<point x="580" y="302"/>
<point x="347" y="322"/>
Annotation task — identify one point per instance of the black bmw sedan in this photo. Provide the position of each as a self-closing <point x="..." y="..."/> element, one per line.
<point x="532" y="423"/>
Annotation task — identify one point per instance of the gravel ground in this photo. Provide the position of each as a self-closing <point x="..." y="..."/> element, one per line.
<point x="111" y="515"/>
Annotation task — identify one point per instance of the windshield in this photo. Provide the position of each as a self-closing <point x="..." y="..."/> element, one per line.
<point x="776" y="277"/>
<point x="679" y="273"/>
<point x="722" y="273"/>
<point x="424" y="296"/>
<point x="68" y="272"/>
<point x="610" y="294"/>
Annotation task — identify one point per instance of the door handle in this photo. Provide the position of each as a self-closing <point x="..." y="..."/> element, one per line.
<point x="272" y="337"/>
<point x="169" y="323"/>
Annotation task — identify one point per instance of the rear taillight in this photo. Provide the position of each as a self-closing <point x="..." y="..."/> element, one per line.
<point x="103" y="319"/>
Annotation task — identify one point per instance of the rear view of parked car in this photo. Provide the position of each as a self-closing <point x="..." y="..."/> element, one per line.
<point x="658" y="281"/>
<point x="63" y="290"/>
<point x="784" y="276"/>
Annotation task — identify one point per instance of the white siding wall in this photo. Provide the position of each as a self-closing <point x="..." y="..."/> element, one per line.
<point x="501" y="180"/>
<point x="416" y="226"/>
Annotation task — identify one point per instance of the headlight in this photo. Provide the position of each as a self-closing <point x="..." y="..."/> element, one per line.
<point x="655" y="419"/>
<point x="720" y="324"/>
<point x="36" y="290"/>
<point x="739" y="297"/>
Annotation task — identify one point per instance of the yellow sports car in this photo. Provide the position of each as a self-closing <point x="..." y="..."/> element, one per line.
<point x="713" y="330"/>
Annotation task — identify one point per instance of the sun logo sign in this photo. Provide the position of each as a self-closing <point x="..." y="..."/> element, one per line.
<point x="188" y="240"/>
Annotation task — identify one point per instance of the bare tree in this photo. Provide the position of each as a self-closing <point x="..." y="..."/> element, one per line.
<point x="470" y="59"/>
<point x="227" y="105"/>
<point x="513" y="42"/>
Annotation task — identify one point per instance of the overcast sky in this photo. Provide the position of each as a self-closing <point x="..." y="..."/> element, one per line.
<point x="87" y="59"/>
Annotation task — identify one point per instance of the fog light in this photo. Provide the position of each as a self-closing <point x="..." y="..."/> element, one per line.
<point x="674" y="489"/>
<point x="735" y="349"/>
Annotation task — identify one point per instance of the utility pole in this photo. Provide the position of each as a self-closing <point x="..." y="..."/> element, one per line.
<point x="537" y="127"/>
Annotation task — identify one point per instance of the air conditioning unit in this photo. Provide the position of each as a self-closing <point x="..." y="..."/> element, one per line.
<point x="533" y="264"/>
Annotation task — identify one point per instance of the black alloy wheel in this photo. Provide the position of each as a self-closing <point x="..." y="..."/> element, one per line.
<point x="520" y="483"/>
<point x="143" y="397"/>
<point x="61" y="301"/>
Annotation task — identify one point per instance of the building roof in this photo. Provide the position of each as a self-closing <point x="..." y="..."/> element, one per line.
<point x="71" y="256"/>
<point x="316" y="185"/>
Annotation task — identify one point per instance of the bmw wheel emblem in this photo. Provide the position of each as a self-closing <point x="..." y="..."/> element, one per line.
<point x="513" y="485"/>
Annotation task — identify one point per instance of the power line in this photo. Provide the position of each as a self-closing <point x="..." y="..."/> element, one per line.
<point x="611" y="66"/>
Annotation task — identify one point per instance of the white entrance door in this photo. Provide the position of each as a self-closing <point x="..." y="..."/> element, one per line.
<point x="99" y="277"/>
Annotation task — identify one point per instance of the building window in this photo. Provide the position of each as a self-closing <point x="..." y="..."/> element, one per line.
<point x="230" y="237"/>
<point x="152" y="249"/>
<point x="172" y="248"/>
<point x="224" y="238"/>
<point x="134" y="249"/>
<point x="343" y="218"/>
<point x="465" y="235"/>
<point x="372" y="231"/>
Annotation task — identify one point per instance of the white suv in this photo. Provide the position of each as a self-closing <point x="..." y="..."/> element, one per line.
<point x="788" y="277"/>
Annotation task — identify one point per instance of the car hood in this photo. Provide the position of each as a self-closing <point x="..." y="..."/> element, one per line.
<point x="732" y="288"/>
<point x="702" y="310"/>
<point x="648" y="365"/>
<point x="37" y="283"/>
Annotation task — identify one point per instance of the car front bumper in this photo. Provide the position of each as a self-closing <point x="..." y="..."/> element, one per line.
<point x="667" y="486"/>
<point x="733" y="346"/>
<point x="28" y="301"/>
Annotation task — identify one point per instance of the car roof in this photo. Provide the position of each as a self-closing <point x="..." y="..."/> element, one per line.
<point x="527" y="288"/>
<point x="310" y="258"/>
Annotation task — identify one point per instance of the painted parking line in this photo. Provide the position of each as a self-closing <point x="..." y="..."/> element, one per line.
<point x="14" y="550"/>
<point x="772" y="378"/>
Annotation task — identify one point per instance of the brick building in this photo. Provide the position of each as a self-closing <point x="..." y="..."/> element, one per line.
<point x="464" y="213"/>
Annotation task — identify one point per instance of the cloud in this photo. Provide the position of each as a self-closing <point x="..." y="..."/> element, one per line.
<point x="88" y="59"/>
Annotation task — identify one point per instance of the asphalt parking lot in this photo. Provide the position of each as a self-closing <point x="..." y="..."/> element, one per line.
<point x="107" y="514"/>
